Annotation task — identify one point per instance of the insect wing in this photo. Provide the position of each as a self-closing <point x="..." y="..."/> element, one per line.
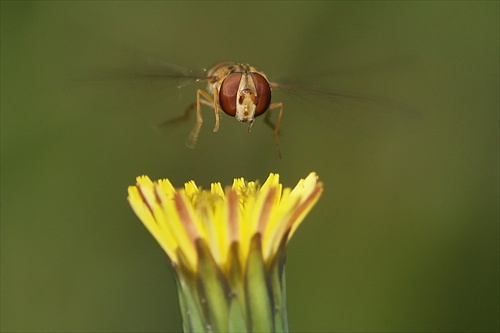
<point x="154" y="72"/>
<point x="338" y="101"/>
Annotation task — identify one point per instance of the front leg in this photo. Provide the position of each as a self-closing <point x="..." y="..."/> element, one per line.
<point x="276" y="126"/>
<point x="208" y="101"/>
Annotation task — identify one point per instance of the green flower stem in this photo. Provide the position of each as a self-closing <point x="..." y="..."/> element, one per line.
<point x="250" y="301"/>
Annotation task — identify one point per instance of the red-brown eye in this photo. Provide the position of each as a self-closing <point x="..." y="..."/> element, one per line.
<point x="263" y="93"/>
<point x="228" y="92"/>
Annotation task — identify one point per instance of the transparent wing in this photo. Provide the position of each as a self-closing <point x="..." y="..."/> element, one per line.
<point x="346" y="98"/>
<point x="335" y="110"/>
<point x="153" y="70"/>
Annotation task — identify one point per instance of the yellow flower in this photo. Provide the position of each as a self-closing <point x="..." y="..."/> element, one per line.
<point x="231" y="241"/>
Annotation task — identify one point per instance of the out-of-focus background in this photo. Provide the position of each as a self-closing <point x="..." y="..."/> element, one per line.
<point x="406" y="235"/>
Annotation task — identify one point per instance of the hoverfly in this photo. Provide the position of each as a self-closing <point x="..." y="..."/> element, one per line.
<point x="240" y="91"/>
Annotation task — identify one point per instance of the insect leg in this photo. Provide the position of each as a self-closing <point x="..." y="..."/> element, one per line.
<point x="276" y="126"/>
<point x="208" y="101"/>
<point x="216" y="108"/>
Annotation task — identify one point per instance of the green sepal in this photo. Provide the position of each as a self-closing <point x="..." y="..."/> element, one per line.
<point x="278" y="287"/>
<point x="237" y="321"/>
<point x="259" y="298"/>
<point x="213" y="289"/>
<point x="235" y="298"/>
<point x="193" y="318"/>
<point x="237" y="307"/>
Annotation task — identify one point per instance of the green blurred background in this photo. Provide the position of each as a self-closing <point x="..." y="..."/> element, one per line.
<point x="406" y="235"/>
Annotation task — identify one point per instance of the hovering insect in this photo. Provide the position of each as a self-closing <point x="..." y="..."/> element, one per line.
<point x="240" y="91"/>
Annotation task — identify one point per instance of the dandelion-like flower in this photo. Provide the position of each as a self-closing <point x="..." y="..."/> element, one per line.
<point x="227" y="247"/>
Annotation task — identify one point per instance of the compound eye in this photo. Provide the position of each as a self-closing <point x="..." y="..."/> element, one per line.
<point x="263" y="93"/>
<point x="228" y="93"/>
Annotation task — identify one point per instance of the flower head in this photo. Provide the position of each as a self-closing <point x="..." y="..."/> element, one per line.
<point x="230" y="241"/>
